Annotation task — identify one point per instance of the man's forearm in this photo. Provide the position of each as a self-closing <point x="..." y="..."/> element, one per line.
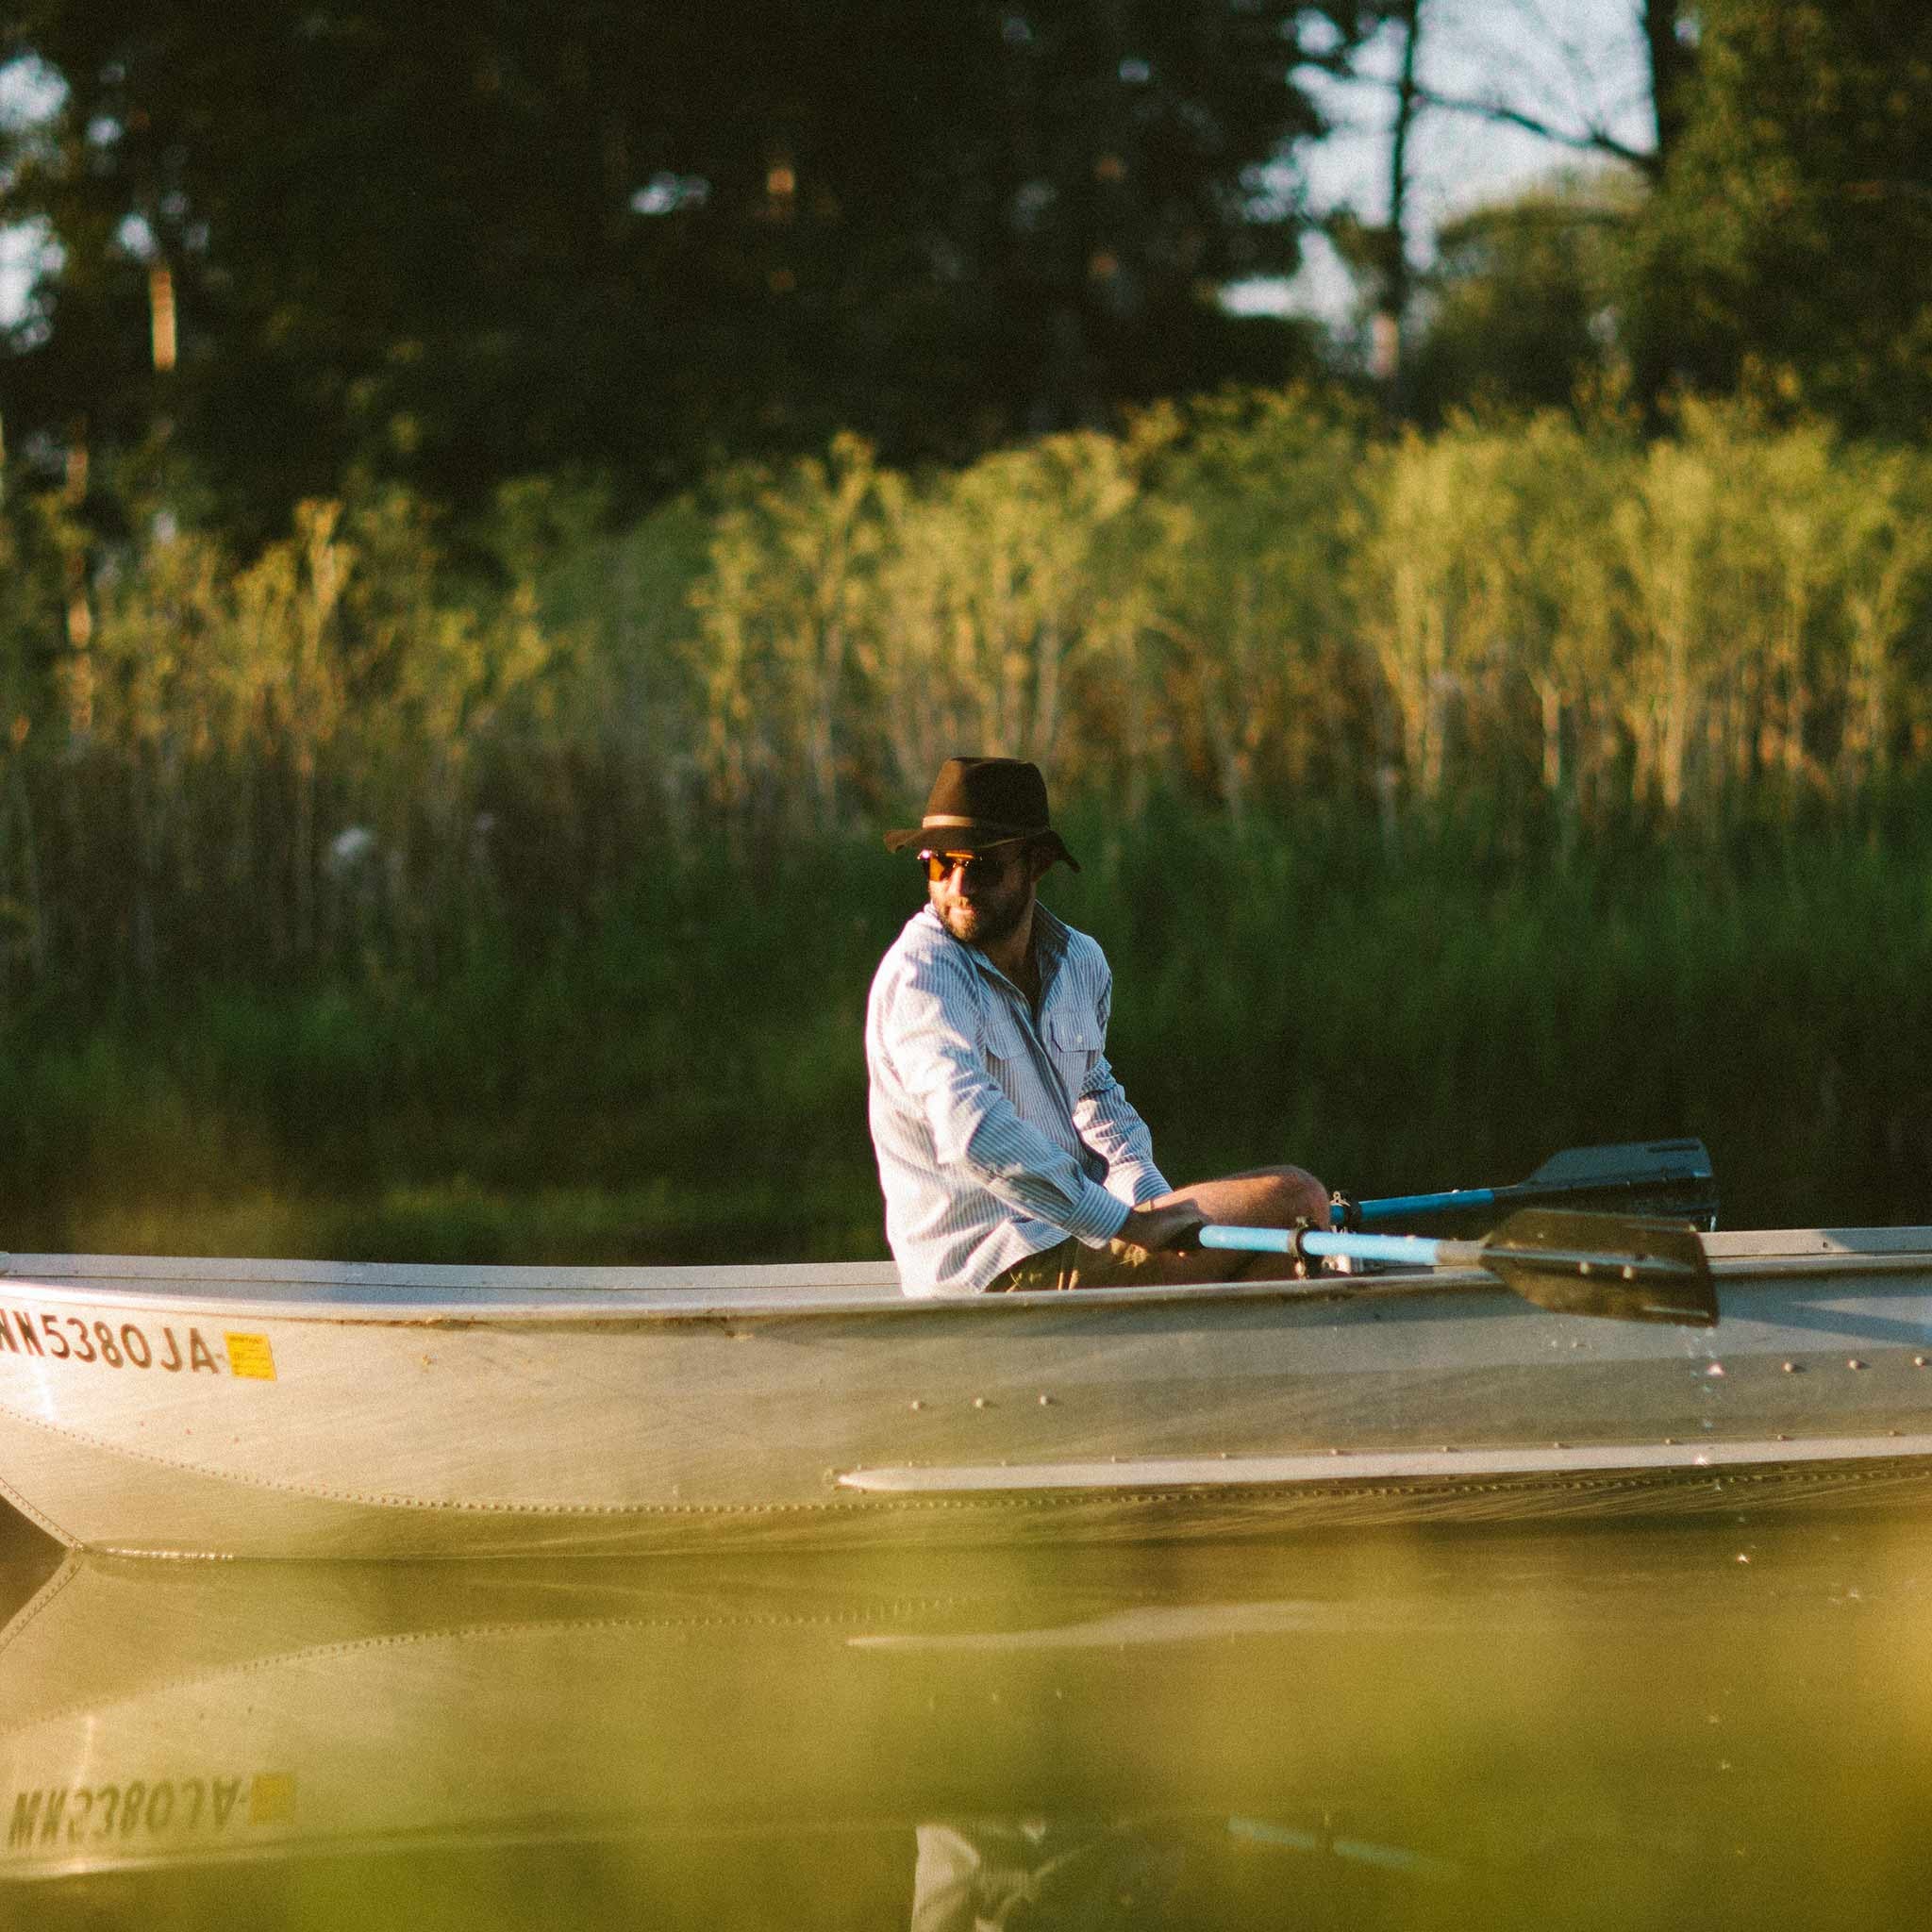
<point x="1020" y="1167"/>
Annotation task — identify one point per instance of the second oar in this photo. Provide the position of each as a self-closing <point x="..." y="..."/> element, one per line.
<point x="1621" y="1266"/>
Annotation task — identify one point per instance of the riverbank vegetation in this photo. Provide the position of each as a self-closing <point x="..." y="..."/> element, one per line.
<point x="682" y="1078"/>
<point x="1443" y="798"/>
<point x="355" y="753"/>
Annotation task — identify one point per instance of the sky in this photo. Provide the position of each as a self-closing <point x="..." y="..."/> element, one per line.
<point x="1572" y="62"/>
<point x="26" y="93"/>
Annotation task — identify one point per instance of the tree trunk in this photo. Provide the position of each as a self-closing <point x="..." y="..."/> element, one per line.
<point x="1673" y="62"/>
<point x="1389" y="359"/>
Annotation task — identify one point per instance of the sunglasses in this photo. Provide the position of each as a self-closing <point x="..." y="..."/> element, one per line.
<point x="976" y="865"/>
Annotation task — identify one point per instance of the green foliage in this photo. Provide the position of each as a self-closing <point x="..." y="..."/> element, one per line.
<point x="1523" y="303"/>
<point x="355" y="754"/>
<point x="1792" y="240"/>
<point x="1440" y="798"/>
<point x="684" y="1079"/>
<point x="1772" y="242"/>
<point x="1245" y="680"/>
<point x="452" y="246"/>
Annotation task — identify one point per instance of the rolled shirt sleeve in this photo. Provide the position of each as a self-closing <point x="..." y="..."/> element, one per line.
<point x="1108" y="1122"/>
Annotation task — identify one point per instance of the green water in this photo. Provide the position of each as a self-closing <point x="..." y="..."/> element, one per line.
<point x="1725" y="1723"/>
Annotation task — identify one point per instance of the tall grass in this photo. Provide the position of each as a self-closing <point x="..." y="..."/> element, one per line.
<point x="1444" y="798"/>
<point x="684" y="1077"/>
<point x="346" y="751"/>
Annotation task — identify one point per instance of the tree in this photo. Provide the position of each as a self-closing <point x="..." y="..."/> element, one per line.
<point x="1792" y="231"/>
<point x="1512" y="64"/>
<point x="1560" y="97"/>
<point x="1777" y="229"/>
<point x="1522" y="305"/>
<point x="460" y="242"/>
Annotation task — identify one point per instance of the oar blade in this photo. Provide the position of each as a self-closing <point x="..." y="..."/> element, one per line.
<point x="1668" y="1179"/>
<point x="1626" y="1267"/>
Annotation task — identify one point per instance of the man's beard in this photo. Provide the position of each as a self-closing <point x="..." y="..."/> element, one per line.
<point x="988" y="920"/>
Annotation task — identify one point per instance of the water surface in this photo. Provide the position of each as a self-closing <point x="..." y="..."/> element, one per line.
<point x="1719" y="1722"/>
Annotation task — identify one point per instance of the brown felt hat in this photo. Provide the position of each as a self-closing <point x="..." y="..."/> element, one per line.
<point x="979" y="802"/>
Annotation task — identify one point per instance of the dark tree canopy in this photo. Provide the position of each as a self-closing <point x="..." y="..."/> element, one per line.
<point x="1793" y="227"/>
<point x="464" y="242"/>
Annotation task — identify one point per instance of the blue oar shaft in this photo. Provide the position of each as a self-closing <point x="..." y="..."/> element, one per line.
<point x="1398" y="1207"/>
<point x="1415" y="1249"/>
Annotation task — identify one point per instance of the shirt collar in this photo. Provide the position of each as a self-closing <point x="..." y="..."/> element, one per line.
<point x="1050" y="936"/>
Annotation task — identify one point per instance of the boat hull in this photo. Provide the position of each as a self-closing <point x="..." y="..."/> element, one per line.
<point x="204" y="1413"/>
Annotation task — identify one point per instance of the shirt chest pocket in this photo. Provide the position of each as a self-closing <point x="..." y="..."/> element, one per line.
<point x="1007" y="1051"/>
<point x="1074" y="1039"/>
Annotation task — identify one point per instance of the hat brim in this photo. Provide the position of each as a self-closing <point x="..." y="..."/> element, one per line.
<point x="976" y="839"/>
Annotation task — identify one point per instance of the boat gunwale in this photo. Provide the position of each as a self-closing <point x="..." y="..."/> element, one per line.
<point x="458" y="1298"/>
<point x="1722" y="1245"/>
<point x="482" y="1308"/>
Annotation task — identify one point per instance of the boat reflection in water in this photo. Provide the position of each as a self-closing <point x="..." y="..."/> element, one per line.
<point x="1717" y="1721"/>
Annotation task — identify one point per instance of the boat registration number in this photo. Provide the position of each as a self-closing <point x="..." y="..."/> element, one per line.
<point x="158" y="1808"/>
<point x="101" y="1344"/>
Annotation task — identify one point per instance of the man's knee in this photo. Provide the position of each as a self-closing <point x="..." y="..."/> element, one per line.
<point x="1303" y="1197"/>
<point x="1262" y="1197"/>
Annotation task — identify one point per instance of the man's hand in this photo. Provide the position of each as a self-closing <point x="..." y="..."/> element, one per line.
<point x="1162" y="1228"/>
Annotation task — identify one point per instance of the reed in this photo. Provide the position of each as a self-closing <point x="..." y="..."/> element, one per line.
<point x="346" y="750"/>
<point x="683" y="1077"/>
<point x="1447" y="797"/>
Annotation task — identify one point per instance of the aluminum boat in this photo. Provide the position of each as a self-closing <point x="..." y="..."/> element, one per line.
<point x="294" y="1410"/>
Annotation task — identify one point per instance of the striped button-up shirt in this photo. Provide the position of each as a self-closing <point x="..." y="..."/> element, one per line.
<point x="999" y="1131"/>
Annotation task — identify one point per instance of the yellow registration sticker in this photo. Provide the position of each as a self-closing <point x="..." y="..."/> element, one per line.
<point x="271" y="1795"/>
<point x="250" y="1355"/>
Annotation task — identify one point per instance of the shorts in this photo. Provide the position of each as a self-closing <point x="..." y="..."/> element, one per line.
<point x="1072" y="1263"/>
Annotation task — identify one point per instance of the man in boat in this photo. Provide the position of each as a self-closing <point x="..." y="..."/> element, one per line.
<point x="1009" y="1155"/>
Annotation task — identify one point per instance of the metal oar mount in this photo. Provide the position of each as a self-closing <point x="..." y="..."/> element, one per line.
<point x="1622" y="1266"/>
